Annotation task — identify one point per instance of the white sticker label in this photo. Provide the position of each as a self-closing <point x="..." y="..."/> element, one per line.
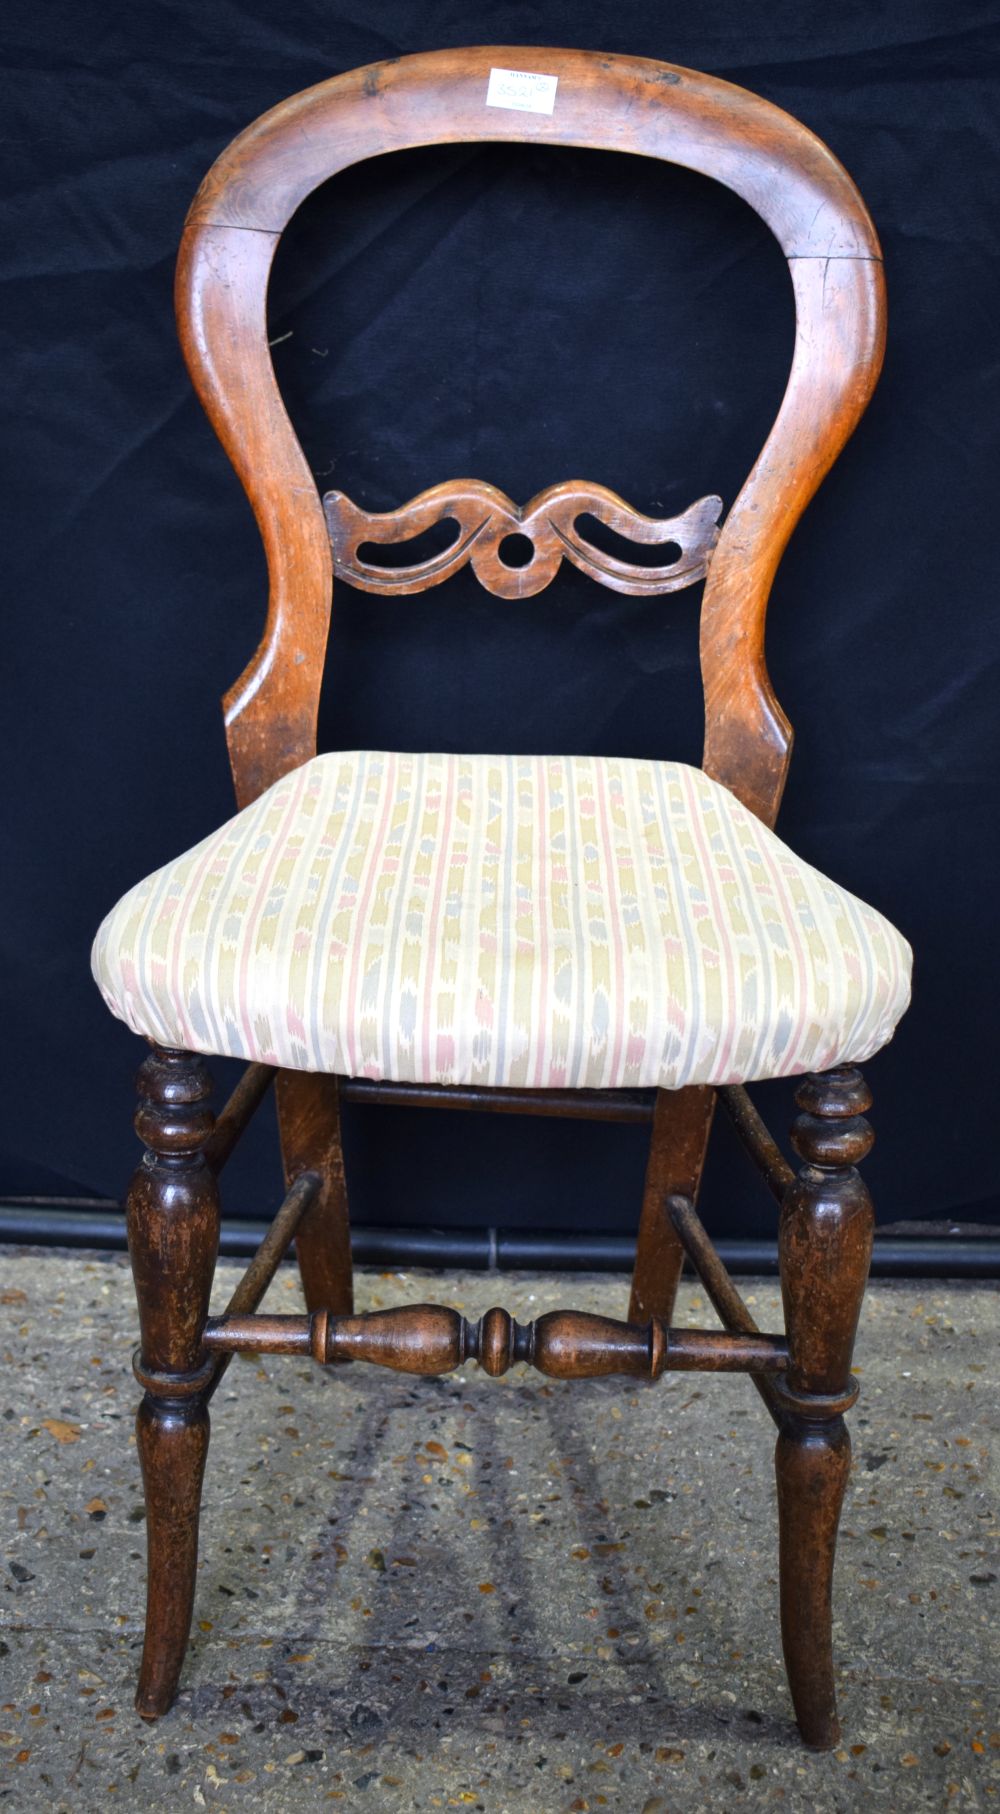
<point x="521" y="89"/>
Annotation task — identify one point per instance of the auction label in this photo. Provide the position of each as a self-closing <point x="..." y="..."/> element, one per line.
<point x="522" y="89"/>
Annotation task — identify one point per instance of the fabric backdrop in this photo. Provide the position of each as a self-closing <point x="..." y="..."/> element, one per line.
<point x="519" y="315"/>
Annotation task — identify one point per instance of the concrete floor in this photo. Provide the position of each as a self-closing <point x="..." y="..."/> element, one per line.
<point x="513" y="1595"/>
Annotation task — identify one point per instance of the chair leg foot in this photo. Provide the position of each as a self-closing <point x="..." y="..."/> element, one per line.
<point x="309" y="1119"/>
<point x="812" y="1463"/>
<point x="173" y="1238"/>
<point x="824" y="1244"/>
<point x="172" y="1439"/>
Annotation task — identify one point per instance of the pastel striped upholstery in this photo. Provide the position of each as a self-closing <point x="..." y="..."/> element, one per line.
<point x="542" y="921"/>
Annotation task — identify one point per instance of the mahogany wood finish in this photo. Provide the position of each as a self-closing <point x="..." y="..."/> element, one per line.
<point x="682" y="1122"/>
<point x="238" y="1113"/>
<point x="824" y="1243"/>
<point x="309" y="1123"/>
<point x="652" y="110"/>
<point x="757" y="1141"/>
<point x="624" y="103"/>
<point x="267" y="1259"/>
<point x="484" y="517"/>
<point x="275" y="1244"/>
<point x="804" y="1377"/>
<point x="173" y="1239"/>
<point x="565" y="1344"/>
<point x="581" y="1105"/>
<point x="719" y="1288"/>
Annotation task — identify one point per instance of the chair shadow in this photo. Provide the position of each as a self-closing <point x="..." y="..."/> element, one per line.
<point x="408" y="1645"/>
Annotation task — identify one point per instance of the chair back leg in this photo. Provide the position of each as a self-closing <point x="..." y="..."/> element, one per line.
<point x="309" y="1121"/>
<point x="682" y="1121"/>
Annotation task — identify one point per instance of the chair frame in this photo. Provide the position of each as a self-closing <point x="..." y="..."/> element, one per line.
<point x="804" y="1376"/>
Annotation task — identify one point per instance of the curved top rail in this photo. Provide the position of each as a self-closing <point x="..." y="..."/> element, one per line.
<point x="609" y="102"/>
<point x="616" y="103"/>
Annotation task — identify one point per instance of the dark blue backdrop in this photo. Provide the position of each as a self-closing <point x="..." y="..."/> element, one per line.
<point x="520" y="316"/>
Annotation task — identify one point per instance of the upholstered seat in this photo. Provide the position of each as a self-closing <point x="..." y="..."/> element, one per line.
<point x="542" y="921"/>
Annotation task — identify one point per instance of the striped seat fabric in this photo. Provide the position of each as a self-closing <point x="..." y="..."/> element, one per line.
<point x="543" y="921"/>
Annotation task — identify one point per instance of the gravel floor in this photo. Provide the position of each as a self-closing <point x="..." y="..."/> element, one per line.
<point x="511" y="1595"/>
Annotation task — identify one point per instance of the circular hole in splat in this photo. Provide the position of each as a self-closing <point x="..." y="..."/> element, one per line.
<point x="516" y="551"/>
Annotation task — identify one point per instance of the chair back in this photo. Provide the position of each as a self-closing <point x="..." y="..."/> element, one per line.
<point x="581" y="98"/>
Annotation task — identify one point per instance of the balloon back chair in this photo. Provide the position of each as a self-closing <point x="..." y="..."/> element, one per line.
<point x="564" y="935"/>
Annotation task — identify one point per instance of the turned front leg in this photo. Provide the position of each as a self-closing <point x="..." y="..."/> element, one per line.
<point x="173" y="1237"/>
<point x="825" y="1242"/>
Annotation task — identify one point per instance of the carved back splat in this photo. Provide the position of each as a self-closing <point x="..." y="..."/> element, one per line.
<point x="484" y="517"/>
<point x="611" y="102"/>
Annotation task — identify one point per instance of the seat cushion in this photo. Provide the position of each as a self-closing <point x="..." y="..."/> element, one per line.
<point x="539" y="921"/>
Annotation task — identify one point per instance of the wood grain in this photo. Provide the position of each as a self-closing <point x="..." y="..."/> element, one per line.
<point x="824" y="1247"/>
<point x="309" y="1125"/>
<point x="173" y="1240"/>
<point x="484" y="517"/>
<point x="799" y="189"/>
<point x="628" y="104"/>
<point x="564" y="1344"/>
<point x="682" y="1122"/>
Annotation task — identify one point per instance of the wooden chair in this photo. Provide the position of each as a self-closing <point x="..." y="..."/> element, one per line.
<point x="785" y="973"/>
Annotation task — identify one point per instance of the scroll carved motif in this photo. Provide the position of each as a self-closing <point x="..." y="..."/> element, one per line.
<point x="485" y="517"/>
